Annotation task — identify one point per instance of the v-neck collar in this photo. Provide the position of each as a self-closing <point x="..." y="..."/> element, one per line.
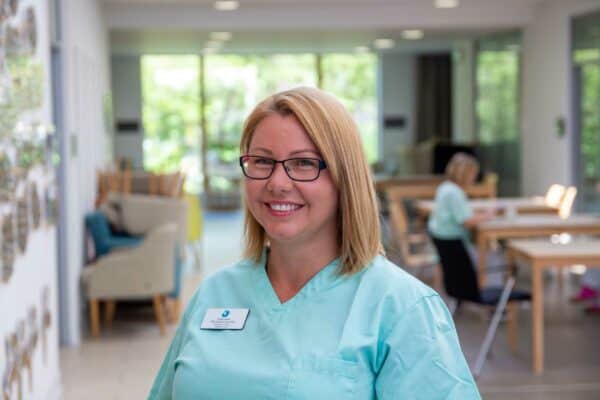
<point x="326" y="278"/>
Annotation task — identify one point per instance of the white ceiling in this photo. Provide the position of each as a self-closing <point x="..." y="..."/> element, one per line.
<point x="176" y="26"/>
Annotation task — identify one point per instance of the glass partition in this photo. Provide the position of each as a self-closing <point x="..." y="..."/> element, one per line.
<point x="497" y="108"/>
<point x="586" y="73"/>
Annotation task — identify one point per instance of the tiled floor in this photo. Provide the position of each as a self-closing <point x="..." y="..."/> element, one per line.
<point x="123" y="363"/>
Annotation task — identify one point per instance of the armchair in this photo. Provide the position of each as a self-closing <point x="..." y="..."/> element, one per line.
<point x="139" y="272"/>
<point x="139" y="215"/>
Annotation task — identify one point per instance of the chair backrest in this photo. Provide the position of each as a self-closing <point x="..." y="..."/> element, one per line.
<point x="487" y="188"/>
<point x="554" y="195"/>
<point x="399" y="226"/>
<point x="141" y="213"/>
<point x="566" y="204"/>
<point x="396" y="196"/>
<point x="460" y="278"/>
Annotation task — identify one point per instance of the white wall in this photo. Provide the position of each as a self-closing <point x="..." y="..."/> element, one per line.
<point x="127" y="97"/>
<point x="397" y="98"/>
<point x="547" y="94"/>
<point x="86" y="75"/>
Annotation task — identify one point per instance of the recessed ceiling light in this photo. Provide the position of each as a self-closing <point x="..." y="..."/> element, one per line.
<point x="362" y="49"/>
<point x="384" y="43"/>
<point x="226" y="5"/>
<point x="412" y="34"/>
<point x="222" y="36"/>
<point x="446" y="3"/>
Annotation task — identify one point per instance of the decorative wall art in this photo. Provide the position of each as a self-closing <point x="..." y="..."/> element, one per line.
<point x="46" y="321"/>
<point x="19" y="347"/>
<point x="34" y="200"/>
<point x="22" y="224"/>
<point x="8" y="181"/>
<point x="11" y="376"/>
<point x="8" y="246"/>
<point x="28" y="149"/>
<point x="28" y="205"/>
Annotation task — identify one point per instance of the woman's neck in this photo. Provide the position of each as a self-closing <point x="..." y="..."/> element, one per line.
<point x="291" y="266"/>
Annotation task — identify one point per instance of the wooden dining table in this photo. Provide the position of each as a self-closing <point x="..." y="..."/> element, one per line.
<point x="540" y="255"/>
<point x="504" y="205"/>
<point x="528" y="226"/>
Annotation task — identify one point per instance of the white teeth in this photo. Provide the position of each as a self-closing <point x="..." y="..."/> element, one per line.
<point x="284" y="207"/>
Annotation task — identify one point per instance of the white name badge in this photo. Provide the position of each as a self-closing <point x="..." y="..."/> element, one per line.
<point x="225" y="318"/>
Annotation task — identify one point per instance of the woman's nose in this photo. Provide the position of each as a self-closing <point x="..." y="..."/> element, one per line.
<point x="279" y="179"/>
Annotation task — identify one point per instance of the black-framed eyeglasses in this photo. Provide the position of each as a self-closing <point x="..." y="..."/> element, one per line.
<point x="301" y="169"/>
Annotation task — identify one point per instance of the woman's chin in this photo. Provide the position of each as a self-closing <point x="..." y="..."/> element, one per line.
<point x="283" y="236"/>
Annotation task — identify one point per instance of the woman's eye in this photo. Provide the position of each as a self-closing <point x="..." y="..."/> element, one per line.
<point x="306" y="162"/>
<point x="263" y="161"/>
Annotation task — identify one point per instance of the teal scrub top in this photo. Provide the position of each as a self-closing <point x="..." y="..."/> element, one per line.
<point x="450" y="210"/>
<point x="376" y="334"/>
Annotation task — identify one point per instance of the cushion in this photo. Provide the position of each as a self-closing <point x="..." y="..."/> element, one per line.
<point x="104" y="241"/>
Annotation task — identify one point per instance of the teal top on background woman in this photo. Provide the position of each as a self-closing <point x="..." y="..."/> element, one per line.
<point x="376" y="334"/>
<point x="450" y="210"/>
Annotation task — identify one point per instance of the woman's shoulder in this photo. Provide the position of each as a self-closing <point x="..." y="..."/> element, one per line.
<point x="449" y="187"/>
<point x="228" y="279"/>
<point x="231" y="276"/>
<point x="389" y="281"/>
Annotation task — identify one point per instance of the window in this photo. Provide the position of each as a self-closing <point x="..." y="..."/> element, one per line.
<point x="170" y="113"/>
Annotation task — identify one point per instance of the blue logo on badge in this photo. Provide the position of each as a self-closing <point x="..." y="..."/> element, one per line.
<point x="225" y="314"/>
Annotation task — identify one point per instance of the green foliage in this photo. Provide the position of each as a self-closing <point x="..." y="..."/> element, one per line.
<point x="497" y="95"/>
<point x="170" y="113"/>
<point x="351" y="77"/>
<point x="590" y="120"/>
<point x="234" y="84"/>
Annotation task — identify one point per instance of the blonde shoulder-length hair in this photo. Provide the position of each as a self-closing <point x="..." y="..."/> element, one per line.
<point x="333" y="131"/>
<point x="462" y="169"/>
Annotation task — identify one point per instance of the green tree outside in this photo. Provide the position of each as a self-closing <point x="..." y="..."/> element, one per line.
<point x="234" y="84"/>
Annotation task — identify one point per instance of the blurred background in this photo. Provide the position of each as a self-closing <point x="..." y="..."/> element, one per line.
<point x="119" y="117"/>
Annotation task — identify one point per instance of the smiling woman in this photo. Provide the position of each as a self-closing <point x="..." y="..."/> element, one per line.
<point x="315" y="310"/>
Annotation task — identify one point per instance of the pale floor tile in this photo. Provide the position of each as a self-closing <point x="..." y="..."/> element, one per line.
<point x="123" y="362"/>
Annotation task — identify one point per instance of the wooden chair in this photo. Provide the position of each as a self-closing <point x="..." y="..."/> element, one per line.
<point x="486" y="189"/>
<point x="405" y="239"/>
<point x="112" y="181"/>
<point x="567" y="201"/>
<point x="554" y="195"/>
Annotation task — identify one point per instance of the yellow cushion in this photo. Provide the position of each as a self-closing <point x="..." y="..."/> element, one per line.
<point x="194" y="217"/>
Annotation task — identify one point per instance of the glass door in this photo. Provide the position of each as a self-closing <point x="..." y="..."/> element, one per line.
<point x="586" y="73"/>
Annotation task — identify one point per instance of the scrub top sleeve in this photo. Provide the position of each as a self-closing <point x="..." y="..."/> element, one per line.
<point x="459" y="207"/>
<point x="162" y="387"/>
<point x="424" y="360"/>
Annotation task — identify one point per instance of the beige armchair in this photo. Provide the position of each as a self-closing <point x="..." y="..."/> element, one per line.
<point x="144" y="271"/>
<point x="140" y="215"/>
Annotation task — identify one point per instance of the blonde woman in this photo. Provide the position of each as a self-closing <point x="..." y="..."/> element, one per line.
<point x="452" y="217"/>
<point x="315" y="311"/>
